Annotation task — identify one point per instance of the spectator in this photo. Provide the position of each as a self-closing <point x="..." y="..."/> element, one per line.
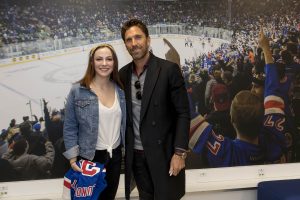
<point x="220" y="116"/>
<point x="53" y="124"/>
<point x="215" y="78"/>
<point x="36" y="142"/>
<point x="29" y="166"/>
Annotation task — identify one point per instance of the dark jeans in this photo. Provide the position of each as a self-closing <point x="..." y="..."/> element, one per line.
<point x="142" y="176"/>
<point x="113" y="169"/>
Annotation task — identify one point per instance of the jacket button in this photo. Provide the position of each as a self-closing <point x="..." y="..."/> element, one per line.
<point x="158" y="141"/>
<point x="153" y="123"/>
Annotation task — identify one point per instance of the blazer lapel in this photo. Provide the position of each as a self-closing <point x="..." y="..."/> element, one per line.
<point x="128" y="93"/>
<point x="150" y="82"/>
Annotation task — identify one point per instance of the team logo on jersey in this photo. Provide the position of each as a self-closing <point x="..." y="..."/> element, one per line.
<point x="89" y="168"/>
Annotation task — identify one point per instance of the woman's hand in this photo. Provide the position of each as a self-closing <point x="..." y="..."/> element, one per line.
<point x="74" y="165"/>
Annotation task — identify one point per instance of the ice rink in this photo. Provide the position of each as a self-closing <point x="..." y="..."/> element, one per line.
<point x="24" y="85"/>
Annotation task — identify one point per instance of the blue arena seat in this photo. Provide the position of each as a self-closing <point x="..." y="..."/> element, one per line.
<point x="279" y="190"/>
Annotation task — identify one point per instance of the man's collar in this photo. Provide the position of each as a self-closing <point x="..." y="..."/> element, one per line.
<point x="145" y="66"/>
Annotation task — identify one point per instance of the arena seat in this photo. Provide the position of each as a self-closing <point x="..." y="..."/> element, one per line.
<point x="279" y="190"/>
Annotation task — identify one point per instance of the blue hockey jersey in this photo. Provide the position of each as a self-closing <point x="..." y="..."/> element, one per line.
<point x="220" y="151"/>
<point x="87" y="184"/>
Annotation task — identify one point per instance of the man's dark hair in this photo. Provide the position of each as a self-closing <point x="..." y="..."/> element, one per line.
<point x="25" y="128"/>
<point x="134" y="22"/>
<point x="25" y="118"/>
<point x="20" y="146"/>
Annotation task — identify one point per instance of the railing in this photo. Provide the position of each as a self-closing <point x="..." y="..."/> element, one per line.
<point x="47" y="45"/>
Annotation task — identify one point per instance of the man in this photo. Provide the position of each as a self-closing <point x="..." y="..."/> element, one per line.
<point x="158" y="119"/>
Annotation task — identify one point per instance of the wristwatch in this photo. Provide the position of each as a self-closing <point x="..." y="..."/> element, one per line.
<point x="182" y="155"/>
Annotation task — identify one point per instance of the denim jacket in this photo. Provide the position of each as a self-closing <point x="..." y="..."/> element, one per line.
<point x="82" y="120"/>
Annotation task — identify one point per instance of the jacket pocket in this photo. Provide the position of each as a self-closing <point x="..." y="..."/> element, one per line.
<point x="82" y="103"/>
<point x="83" y="109"/>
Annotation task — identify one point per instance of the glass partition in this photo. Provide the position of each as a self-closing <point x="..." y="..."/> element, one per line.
<point x="40" y="46"/>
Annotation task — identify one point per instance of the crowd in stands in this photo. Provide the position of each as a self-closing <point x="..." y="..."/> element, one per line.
<point x="33" y="149"/>
<point x="213" y="79"/>
<point x="32" y="20"/>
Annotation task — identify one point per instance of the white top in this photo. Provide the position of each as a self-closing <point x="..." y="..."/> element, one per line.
<point x="109" y="136"/>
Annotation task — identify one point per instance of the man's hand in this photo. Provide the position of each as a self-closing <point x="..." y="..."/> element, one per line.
<point x="263" y="42"/>
<point x="177" y="164"/>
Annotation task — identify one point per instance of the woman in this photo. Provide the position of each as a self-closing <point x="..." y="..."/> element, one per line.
<point x="95" y="117"/>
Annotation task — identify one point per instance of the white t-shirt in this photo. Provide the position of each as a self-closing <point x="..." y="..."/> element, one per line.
<point x="109" y="126"/>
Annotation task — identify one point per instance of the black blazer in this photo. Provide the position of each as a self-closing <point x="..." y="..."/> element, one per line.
<point x="164" y="125"/>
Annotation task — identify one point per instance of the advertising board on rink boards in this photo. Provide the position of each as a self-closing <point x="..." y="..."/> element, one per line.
<point x="38" y="56"/>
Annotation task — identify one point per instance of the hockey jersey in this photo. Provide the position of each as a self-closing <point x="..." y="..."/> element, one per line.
<point x="87" y="184"/>
<point x="220" y="151"/>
